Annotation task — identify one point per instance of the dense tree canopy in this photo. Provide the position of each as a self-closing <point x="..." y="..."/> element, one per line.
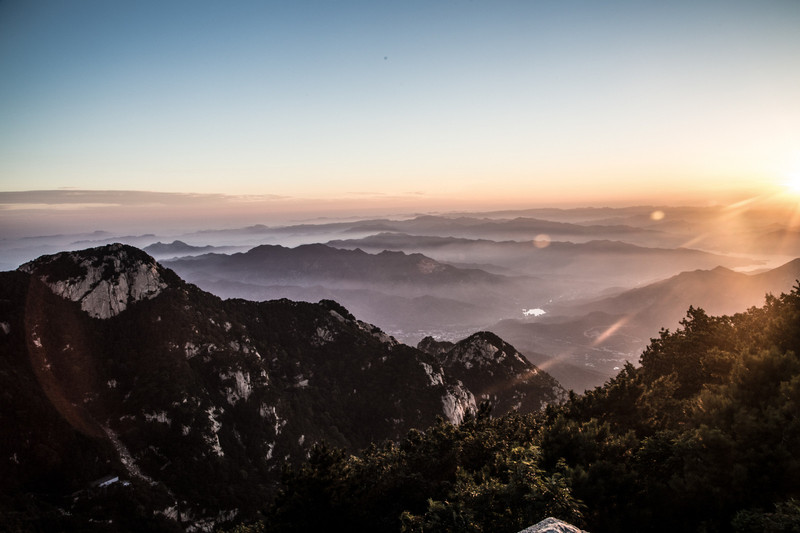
<point x="703" y="435"/>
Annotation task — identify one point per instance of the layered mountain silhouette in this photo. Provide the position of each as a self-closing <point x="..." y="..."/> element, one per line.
<point x="603" y="333"/>
<point x="318" y="262"/>
<point x="598" y="261"/>
<point x="179" y="248"/>
<point x="718" y="291"/>
<point x="411" y="295"/>
<point x="114" y="366"/>
<point x="460" y="226"/>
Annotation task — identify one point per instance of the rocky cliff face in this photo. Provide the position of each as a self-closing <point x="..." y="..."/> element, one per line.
<point x="198" y="401"/>
<point x="105" y="281"/>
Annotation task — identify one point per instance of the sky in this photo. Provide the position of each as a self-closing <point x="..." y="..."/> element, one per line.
<point x="396" y="105"/>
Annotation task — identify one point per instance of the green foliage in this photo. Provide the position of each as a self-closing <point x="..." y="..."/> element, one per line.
<point x="483" y="475"/>
<point x="508" y="495"/>
<point x="702" y="436"/>
<point x="785" y="519"/>
<point x="707" y="426"/>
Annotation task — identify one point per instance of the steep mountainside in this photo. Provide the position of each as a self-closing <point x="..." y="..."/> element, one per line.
<point x="111" y="364"/>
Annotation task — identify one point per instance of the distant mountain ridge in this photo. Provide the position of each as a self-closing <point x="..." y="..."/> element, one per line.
<point x="454" y="226"/>
<point x="605" y="332"/>
<point x="409" y="294"/>
<point x="317" y="262"/>
<point x="718" y="291"/>
<point x="179" y="248"/>
<point x="413" y="286"/>
<point x="541" y="256"/>
<point x="179" y="392"/>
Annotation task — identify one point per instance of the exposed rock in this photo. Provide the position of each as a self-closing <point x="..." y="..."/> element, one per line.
<point x="185" y="392"/>
<point x="457" y="402"/>
<point x="104" y="280"/>
<point x="552" y="525"/>
<point x="434" y="347"/>
<point x="493" y="370"/>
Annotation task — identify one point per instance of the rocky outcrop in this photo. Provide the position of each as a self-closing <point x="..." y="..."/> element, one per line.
<point x="434" y="347"/>
<point x="493" y="370"/>
<point x="105" y="280"/>
<point x="457" y="402"/>
<point x="552" y="525"/>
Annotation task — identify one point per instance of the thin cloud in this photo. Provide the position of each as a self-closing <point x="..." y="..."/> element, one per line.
<point x="385" y="195"/>
<point x="51" y="206"/>
<point x="76" y="198"/>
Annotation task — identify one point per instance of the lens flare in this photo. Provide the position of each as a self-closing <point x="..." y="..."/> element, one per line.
<point x="542" y="240"/>
<point x="613" y="328"/>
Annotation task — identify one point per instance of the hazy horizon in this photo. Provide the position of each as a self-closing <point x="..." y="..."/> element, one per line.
<point x="228" y="113"/>
<point x="49" y="212"/>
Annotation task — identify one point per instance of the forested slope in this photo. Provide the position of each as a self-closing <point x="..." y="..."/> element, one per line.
<point x="703" y="435"/>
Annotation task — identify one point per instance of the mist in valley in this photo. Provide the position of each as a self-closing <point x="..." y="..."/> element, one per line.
<point x="578" y="291"/>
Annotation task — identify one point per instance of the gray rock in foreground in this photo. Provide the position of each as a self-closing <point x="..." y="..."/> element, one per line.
<point x="552" y="525"/>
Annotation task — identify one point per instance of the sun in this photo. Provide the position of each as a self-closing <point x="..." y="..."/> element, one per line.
<point x="792" y="184"/>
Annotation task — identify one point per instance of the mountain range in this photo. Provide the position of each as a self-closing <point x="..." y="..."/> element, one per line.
<point x="179" y="248"/>
<point x="412" y="295"/>
<point x="456" y="286"/>
<point x="557" y="319"/>
<point x="598" y="262"/>
<point x="601" y="334"/>
<point x="113" y="367"/>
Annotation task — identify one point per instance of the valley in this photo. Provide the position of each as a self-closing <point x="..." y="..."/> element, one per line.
<point x="603" y="281"/>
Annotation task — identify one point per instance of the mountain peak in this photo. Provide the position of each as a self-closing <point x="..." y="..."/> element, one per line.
<point x="433" y="347"/>
<point x="105" y="280"/>
<point x="483" y="348"/>
<point x="494" y="370"/>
